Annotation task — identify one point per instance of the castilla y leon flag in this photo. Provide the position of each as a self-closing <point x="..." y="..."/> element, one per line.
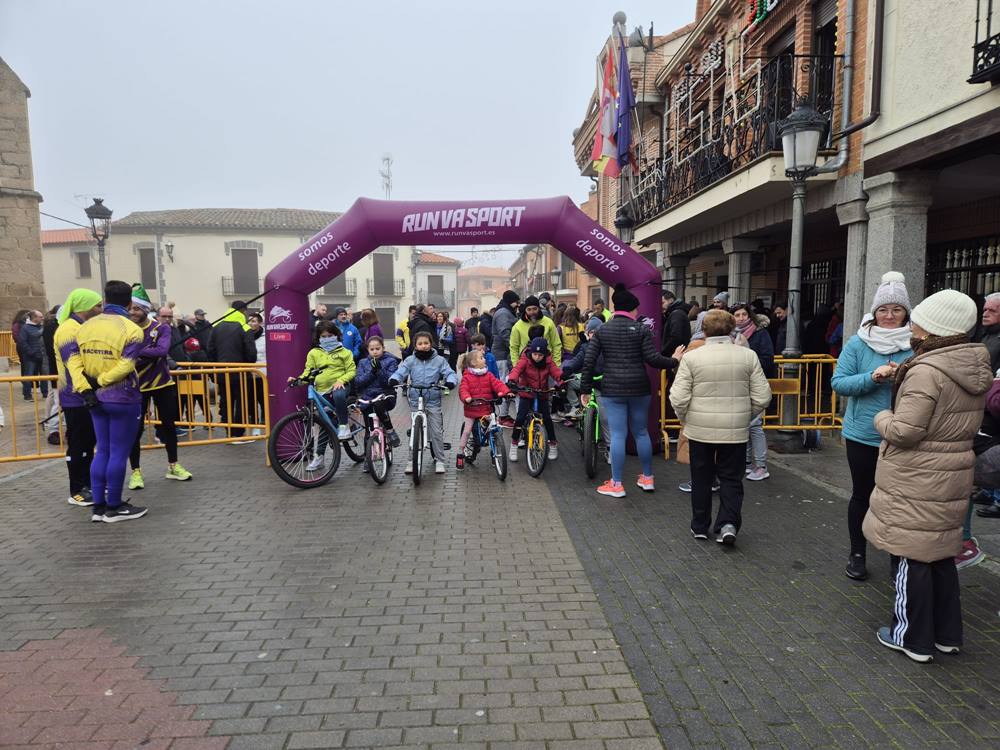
<point x="604" y="155"/>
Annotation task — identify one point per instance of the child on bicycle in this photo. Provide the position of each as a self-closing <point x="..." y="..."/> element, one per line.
<point x="337" y="370"/>
<point x="477" y="383"/>
<point x="533" y="370"/>
<point x="478" y="343"/>
<point x="425" y="367"/>
<point x="573" y="367"/>
<point x="372" y="380"/>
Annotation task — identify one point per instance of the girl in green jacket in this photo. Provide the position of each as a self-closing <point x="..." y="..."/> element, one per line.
<point x="329" y="352"/>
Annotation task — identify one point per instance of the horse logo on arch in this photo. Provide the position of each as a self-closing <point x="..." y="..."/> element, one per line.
<point x="279" y="314"/>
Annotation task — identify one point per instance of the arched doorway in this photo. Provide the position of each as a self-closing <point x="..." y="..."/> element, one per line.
<point x="369" y="224"/>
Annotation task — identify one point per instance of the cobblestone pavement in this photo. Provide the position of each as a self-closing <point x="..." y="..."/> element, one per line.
<point x="768" y="644"/>
<point x="243" y="613"/>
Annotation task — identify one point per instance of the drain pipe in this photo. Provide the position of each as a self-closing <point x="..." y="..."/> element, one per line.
<point x="846" y="126"/>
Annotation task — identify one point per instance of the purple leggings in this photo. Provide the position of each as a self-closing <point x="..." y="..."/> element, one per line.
<point x="115" y="427"/>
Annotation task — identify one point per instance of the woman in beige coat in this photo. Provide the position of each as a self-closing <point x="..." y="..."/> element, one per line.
<point x="717" y="392"/>
<point x="924" y="473"/>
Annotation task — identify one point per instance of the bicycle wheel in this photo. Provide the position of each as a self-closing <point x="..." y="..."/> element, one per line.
<point x="590" y="441"/>
<point x="292" y="448"/>
<point x="417" y="447"/>
<point x="354" y="446"/>
<point x="537" y="448"/>
<point x="472" y="446"/>
<point x="377" y="457"/>
<point x="498" y="454"/>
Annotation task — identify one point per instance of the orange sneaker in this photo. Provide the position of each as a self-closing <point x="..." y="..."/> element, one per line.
<point x="645" y="483"/>
<point x="611" y="489"/>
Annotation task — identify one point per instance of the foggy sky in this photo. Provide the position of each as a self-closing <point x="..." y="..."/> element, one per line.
<point x="161" y="105"/>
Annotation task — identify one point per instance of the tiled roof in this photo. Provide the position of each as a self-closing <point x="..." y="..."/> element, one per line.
<point x="483" y="271"/>
<point x="292" y="219"/>
<point x="427" y="258"/>
<point x="66" y="237"/>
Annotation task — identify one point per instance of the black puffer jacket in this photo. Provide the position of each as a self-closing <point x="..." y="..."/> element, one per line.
<point x="421" y="323"/>
<point x="626" y="345"/>
<point x="676" y="328"/>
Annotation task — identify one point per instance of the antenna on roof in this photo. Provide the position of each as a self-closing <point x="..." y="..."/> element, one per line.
<point x="386" y="173"/>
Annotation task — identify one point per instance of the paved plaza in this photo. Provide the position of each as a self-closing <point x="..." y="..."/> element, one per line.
<point x="242" y="613"/>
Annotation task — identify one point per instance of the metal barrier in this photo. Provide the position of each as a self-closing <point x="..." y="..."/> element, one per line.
<point x="817" y="403"/>
<point x="30" y="423"/>
<point x="8" y="347"/>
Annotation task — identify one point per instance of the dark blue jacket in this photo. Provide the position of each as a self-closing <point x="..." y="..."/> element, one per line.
<point x="575" y="365"/>
<point x="370" y="382"/>
<point x="762" y="345"/>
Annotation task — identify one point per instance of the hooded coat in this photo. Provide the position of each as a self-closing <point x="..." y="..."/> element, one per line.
<point x="925" y="468"/>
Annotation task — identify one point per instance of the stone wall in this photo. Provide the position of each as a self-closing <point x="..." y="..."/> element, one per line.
<point x="21" y="283"/>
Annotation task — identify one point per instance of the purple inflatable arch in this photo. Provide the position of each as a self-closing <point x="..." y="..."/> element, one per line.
<point x="369" y="224"/>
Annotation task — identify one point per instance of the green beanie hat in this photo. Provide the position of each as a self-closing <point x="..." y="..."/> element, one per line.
<point x="139" y="296"/>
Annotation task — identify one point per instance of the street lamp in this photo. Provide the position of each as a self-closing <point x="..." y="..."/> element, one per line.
<point x="100" y="228"/>
<point x="555" y="277"/>
<point x="800" y="137"/>
<point x="625" y="224"/>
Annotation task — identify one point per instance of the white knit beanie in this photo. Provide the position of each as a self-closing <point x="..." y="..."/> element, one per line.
<point x="892" y="291"/>
<point x="946" y="313"/>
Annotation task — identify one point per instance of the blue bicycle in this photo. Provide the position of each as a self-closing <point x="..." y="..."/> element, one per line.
<point x="303" y="447"/>
<point x="487" y="432"/>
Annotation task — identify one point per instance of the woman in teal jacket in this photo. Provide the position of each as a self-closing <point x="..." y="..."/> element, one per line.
<point x="864" y="374"/>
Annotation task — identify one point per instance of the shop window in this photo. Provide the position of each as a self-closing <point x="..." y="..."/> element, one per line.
<point x="823" y="284"/>
<point x="970" y="266"/>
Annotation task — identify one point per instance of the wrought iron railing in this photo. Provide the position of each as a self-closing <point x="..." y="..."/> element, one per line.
<point x="717" y="138"/>
<point x="349" y="288"/>
<point x="239" y="287"/>
<point x="986" y="50"/>
<point x="386" y="288"/>
<point x="445" y="300"/>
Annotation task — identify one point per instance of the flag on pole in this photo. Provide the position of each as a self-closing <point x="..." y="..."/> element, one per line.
<point x="624" y="111"/>
<point x="605" y="153"/>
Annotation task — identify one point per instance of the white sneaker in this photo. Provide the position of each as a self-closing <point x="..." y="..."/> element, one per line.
<point x="343" y="432"/>
<point x="573" y="413"/>
<point x="553" y="451"/>
<point x="522" y="443"/>
<point x="439" y="467"/>
<point x="316" y="464"/>
<point x="409" y="467"/>
<point x="512" y="456"/>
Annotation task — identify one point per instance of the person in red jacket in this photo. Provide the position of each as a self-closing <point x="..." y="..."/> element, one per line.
<point x="533" y="370"/>
<point x="477" y="383"/>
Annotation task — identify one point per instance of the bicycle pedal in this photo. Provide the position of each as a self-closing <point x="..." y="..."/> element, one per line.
<point x="447" y="446"/>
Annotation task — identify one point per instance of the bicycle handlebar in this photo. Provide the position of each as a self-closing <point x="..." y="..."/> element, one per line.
<point x="490" y="401"/>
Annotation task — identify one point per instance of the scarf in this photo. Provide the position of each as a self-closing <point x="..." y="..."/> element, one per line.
<point x="115" y="310"/>
<point x="424" y="355"/>
<point x="330" y="344"/>
<point x="929" y="344"/>
<point x="884" y="340"/>
<point x="748" y="329"/>
<point x="477" y="370"/>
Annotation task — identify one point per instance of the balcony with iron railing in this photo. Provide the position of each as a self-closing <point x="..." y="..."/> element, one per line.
<point x="719" y="133"/>
<point x="240" y="288"/>
<point x="386" y="287"/>
<point x="340" y="287"/>
<point x="441" y="300"/>
<point x="986" y="50"/>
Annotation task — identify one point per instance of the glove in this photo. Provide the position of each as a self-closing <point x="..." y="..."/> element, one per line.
<point x="93" y="381"/>
<point x="510" y="396"/>
<point x="90" y="399"/>
<point x="376" y="365"/>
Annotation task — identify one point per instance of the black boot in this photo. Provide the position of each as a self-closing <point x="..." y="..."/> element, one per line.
<point x="856" y="568"/>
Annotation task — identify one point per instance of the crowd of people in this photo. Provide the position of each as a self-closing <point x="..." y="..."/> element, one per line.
<point x="921" y="426"/>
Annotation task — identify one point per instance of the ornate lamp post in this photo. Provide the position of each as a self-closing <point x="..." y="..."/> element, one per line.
<point x="555" y="277"/>
<point x="100" y="228"/>
<point x="800" y="137"/>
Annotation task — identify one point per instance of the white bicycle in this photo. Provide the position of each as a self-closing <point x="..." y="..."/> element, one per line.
<point x="418" y="430"/>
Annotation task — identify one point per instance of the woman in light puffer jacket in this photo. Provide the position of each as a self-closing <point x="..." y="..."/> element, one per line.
<point x="925" y="473"/>
<point x="864" y="375"/>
